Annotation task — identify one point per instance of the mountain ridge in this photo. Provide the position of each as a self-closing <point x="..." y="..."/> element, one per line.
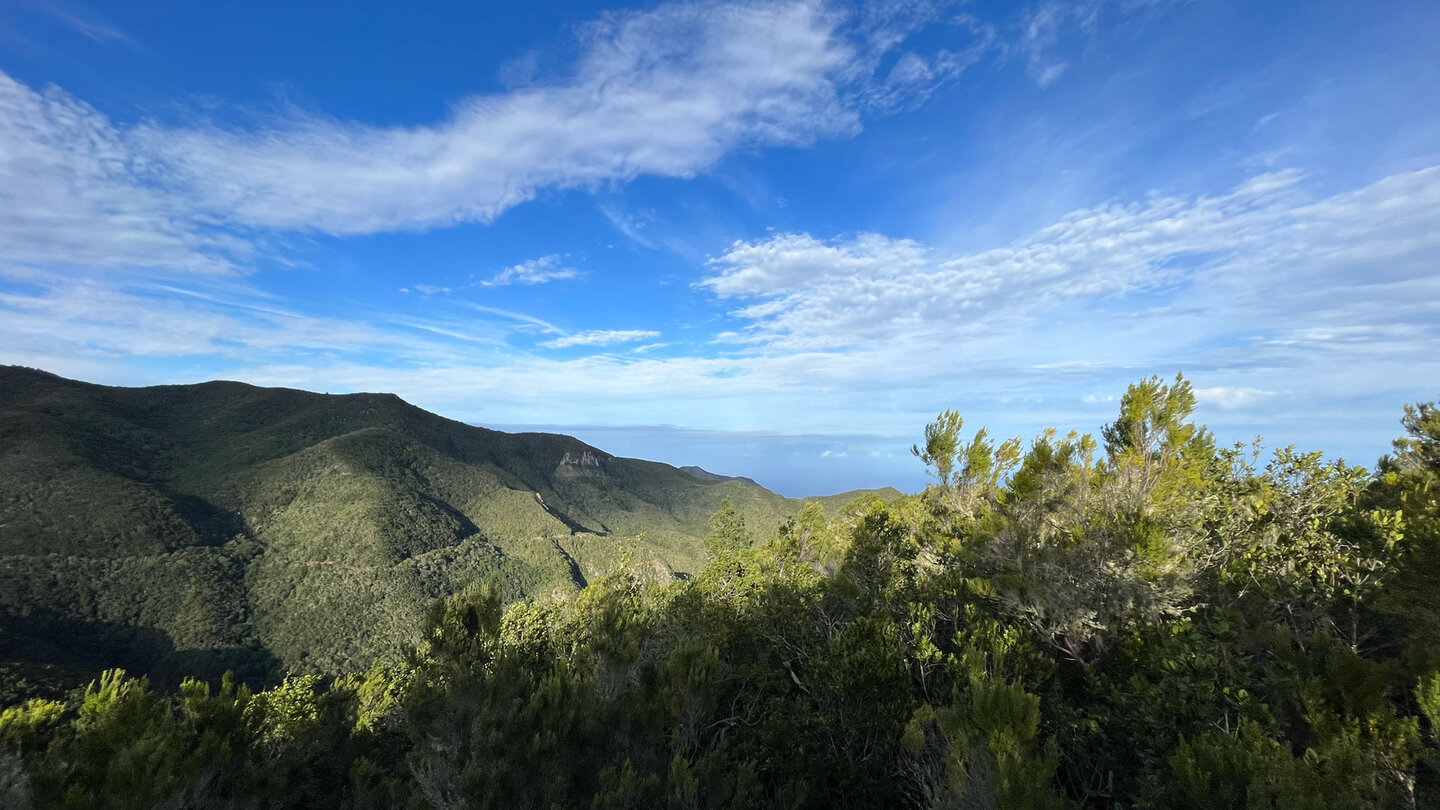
<point x="277" y="529"/>
<point x="705" y="475"/>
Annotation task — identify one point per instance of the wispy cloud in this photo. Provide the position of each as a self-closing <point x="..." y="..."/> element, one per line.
<point x="1245" y="246"/>
<point x="1051" y="30"/>
<point x="883" y="28"/>
<point x="1041" y="32"/>
<point x="601" y="337"/>
<point x="632" y="225"/>
<point x="527" y="321"/>
<point x="62" y="319"/>
<point x="1225" y="397"/>
<point x="533" y="271"/>
<point x="86" y="22"/>
<point x="71" y="193"/>
<point x="665" y="92"/>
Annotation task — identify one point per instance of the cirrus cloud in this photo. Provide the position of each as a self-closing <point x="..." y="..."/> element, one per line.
<point x="600" y="337"/>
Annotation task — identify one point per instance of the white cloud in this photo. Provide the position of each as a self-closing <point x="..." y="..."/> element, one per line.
<point x="664" y="92"/>
<point x="667" y="92"/>
<point x="1272" y="299"/>
<point x="1048" y="29"/>
<point x="789" y="262"/>
<point x="533" y="271"/>
<point x="526" y="322"/>
<point x="1041" y="31"/>
<point x="1231" y="397"/>
<point x="632" y="224"/>
<point x="884" y="27"/>
<point x="71" y="192"/>
<point x="73" y="318"/>
<point x="1262" y="246"/>
<point x="601" y="337"/>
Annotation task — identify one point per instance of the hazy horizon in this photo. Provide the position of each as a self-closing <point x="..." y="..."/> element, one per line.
<point x="800" y="465"/>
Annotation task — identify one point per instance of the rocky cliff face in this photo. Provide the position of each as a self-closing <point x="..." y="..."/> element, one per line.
<point x="586" y="463"/>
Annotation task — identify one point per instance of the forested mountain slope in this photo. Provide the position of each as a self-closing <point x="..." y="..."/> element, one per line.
<point x="197" y="528"/>
<point x="1143" y="619"/>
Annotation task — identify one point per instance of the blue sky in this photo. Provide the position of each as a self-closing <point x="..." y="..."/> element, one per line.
<point x="770" y="238"/>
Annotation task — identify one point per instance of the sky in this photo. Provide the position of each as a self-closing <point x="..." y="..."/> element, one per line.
<point x="771" y="238"/>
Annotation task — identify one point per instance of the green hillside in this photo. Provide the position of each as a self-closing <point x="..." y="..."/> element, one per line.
<point x="1143" y="619"/>
<point x="197" y="528"/>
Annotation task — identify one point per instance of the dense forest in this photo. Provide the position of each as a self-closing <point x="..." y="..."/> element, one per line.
<point x="187" y="530"/>
<point x="1143" y="619"/>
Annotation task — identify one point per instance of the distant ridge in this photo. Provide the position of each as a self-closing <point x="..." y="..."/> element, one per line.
<point x="195" y="528"/>
<point x="706" y="475"/>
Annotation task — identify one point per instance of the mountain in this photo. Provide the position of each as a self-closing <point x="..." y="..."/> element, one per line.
<point x="196" y="528"/>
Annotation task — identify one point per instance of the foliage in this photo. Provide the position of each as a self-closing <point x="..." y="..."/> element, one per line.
<point x="1163" y="623"/>
<point x="190" y="530"/>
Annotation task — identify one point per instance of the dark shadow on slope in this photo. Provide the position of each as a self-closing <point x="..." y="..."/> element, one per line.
<point x="574" y="526"/>
<point x="46" y="656"/>
<point x="213" y="525"/>
<point x="575" y="573"/>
